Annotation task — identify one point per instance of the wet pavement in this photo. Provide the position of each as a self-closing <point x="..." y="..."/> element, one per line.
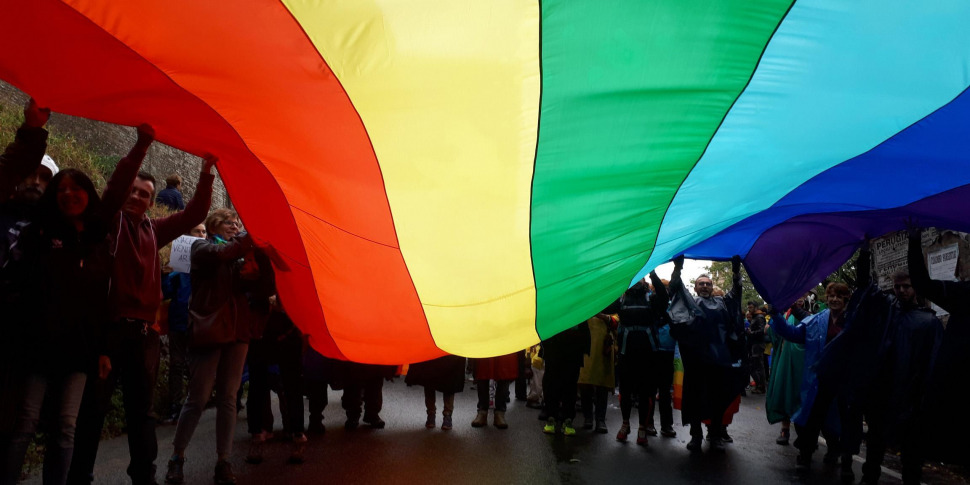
<point x="405" y="452"/>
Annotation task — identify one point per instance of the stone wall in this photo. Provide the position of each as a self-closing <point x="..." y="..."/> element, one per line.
<point x="106" y="139"/>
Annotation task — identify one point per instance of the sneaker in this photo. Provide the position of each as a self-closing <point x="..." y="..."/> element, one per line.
<point x="430" y="424"/>
<point x="651" y="431"/>
<point x="623" y="432"/>
<point x="550" y="427"/>
<point x="587" y="423"/>
<point x="695" y="443"/>
<point x="803" y="462"/>
<point x="446" y="422"/>
<point x="784" y="437"/>
<point x="718" y="445"/>
<point x="601" y="426"/>
<point x="668" y="432"/>
<point x="567" y="428"/>
<point x="726" y="437"/>
<point x="223" y="475"/>
<point x="297" y="448"/>
<point x="642" y="436"/>
<point x="175" y="474"/>
<point x="255" y="454"/>
<point x="374" y="422"/>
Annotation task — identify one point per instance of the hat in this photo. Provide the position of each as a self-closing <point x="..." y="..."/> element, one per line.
<point x="48" y="162"/>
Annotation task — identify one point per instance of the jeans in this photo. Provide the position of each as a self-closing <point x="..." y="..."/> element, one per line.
<point x="286" y="353"/>
<point x="501" y="394"/>
<point x="135" y="364"/>
<point x="447" y="398"/>
<point x="220" y="367"/>
<point x="65" y="393"/>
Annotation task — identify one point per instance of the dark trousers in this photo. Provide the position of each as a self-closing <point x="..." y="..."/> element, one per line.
<point x="765" y="359"/>
<point x="286" y="354"/>
<point x="662" y="370"/>
<point x="521" y="389"/>
<point x="807" y="440"/>
<point x="876" y="441"/>
<point x="636" y="385"/>
<point x="501" y="394"/>
<point x="708" y="392"/>
<point x="559" y="386"/>
<point x="317" y="399"/>
<point x="318" y="371"/>
<point x="757" y="364"/>
<point x="135" y="365"/>
<point x="368" y="391"/>
<point x="594" y="398"/>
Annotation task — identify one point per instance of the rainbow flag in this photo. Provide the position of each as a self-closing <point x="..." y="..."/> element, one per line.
<point x="470" y="176"/>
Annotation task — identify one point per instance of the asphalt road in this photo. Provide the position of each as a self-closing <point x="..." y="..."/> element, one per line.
<point x="405" y="452"/>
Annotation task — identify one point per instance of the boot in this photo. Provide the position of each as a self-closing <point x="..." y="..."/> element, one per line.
<point x="498" y="419"/>
<point x="430" y="424"/>
<point x="481" y="419"/>
<point x="445" y="422"/>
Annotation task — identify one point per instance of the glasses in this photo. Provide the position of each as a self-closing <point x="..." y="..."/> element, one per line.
<point x="232" y="223"/>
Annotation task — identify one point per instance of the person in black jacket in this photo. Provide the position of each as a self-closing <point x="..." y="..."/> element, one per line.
<point x="711" y="338"/>
<point x="947" y="392"/>
<point x="23" y="178"/>
<point x="67" y="288"/>
<point x="638" y="339"/>
<point x="896" y="341"/>
<point x="563" y="355"/>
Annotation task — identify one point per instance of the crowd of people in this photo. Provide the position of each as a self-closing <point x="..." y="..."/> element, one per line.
<point x="82" y="283"/>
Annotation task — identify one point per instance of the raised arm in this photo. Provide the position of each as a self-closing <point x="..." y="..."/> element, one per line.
<point x="863" y="266"/>
<point x="661" y="297"/>
<point x="23" y="156"/>
<point x="118" y="188"/>
<point x="792" y="333"/>
<point x="173" y="226"/>
<point x="205" y="253"/>
<point x="952" y="296"/>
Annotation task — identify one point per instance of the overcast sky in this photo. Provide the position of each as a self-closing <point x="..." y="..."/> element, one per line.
<point x="692" y="269"/>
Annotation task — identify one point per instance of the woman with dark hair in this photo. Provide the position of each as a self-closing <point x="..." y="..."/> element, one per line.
<point x="67" y="286"/>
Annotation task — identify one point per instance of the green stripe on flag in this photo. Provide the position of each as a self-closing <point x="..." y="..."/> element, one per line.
<point x="632" y="92"/>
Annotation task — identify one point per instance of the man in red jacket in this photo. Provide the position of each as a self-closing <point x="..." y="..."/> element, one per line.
<point x="131" y="352"/>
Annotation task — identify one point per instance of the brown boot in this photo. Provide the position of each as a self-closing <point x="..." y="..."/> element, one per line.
<point x="499" y="420"/>
<point x="480" y="420"/>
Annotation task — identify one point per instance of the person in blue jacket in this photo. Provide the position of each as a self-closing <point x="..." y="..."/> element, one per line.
<point x="177" y="287"/>
<point x="818" y="412"/>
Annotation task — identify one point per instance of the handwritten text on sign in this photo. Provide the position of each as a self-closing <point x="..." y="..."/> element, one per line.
<point x="181" y="259"/>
